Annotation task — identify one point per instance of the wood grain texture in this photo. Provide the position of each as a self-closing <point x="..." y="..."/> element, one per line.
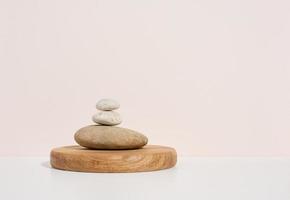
<point x="148" y="158"/>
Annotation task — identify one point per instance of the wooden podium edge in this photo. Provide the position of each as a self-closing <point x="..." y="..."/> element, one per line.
<point x="80" y="159"/>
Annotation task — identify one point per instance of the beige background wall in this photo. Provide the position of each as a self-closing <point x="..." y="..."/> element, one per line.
<point x="207" y="77"/>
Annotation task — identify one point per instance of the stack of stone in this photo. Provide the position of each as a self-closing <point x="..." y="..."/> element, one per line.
<point x="105" y="134"/>
<point x="106" y="115"/>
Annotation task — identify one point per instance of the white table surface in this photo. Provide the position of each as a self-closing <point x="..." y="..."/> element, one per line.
<point x="196" y="178"/>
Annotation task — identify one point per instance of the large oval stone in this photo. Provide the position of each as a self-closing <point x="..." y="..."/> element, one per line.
<point x="109" y="137"/>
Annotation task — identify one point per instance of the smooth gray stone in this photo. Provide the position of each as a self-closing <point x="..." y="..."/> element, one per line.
<point x="109" y="118"/>
<point x="107" y="104"/>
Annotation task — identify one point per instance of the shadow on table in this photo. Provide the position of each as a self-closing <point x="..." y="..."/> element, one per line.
<point x="46" y="164"/>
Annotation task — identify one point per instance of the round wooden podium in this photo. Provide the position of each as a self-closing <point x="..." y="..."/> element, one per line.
<point x="148" y="158"/>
